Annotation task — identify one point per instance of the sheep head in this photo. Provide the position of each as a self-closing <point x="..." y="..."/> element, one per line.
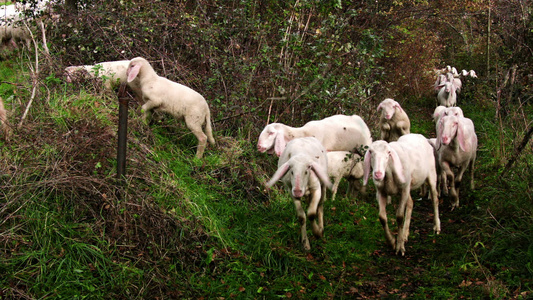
<point x="450" y="128"/>
<point x="442" y="111"/>
<point x="437" y="114"/>
<point x="453" y="111"/>
<point x="134" y="68"/>
<point x="272" y="139"/>
<point x="299" y="169"/>
<point x="388" y="107"/>
<point x="441" y="79"/>
<point x="377" y="159"/>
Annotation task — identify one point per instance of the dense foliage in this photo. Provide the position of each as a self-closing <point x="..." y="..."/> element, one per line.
<point x="183" y="228"/>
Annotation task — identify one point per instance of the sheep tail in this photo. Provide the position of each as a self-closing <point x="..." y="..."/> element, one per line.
<point x="209" y="129"/>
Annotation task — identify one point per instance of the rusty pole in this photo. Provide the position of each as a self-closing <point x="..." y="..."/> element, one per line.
<point x="123" y="101"/>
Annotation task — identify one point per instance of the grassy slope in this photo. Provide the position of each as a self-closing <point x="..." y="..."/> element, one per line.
<point x="189" y="228"/>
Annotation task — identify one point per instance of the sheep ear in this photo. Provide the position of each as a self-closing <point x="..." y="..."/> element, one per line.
<point x="366" y="163"/>
<point x="439" y="134"/>
<point x="133" y="72"/>
<point x="379" y="107"/>
<point x="279" y="173"/>
<point x="321" y="174"/>
<point x="397" y="105"/>
<point x="397" y="165"/>
<point x="280" y="143"/>
<point x="461" y="136"/>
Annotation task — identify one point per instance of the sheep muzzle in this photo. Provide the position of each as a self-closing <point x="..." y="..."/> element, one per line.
<point x="378" y="175"/>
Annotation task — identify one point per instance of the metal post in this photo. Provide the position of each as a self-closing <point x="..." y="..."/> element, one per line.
<point x="123" y="100"/>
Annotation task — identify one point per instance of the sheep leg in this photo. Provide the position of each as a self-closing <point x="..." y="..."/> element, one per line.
<point x="460" y="174"/>
<point x="472" y="186"/>
<point x="423" y="190"/>
<point x="147" y="109"/>
<point x="335" y="187"/>
<point x="439" y="184"/>
<point x="360" y="187"/>
<point x="302" y="220"/>
<point x="354" y="186"/>
<point x="453" y="191"/>
<point x="436" y="220"/>
<point x="443" y="183"/>
<point x="403" y="219"/>
<point x="385" y="132"/>
<point x="457" y="183"/>
<point x="314" y="212"/>
<point x="447" y="176"/>
<point x="318" y="227"/>
<point x="382" y="201"/>
<point x="196" y="129"/>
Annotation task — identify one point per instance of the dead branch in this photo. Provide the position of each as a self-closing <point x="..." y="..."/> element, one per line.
<point x="35" y="77"/>
<point x="518" y="150"/>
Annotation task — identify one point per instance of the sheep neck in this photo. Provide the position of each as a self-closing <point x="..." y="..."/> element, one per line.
<point x="388" y="186"/>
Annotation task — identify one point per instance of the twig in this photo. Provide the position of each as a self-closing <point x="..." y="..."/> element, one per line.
<point x="35" y="76"/>
<point x="45" y="46"/>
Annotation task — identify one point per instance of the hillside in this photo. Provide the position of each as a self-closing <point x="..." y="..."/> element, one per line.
<point x="178" y="227"/>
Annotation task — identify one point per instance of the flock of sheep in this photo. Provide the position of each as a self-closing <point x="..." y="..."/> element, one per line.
<point x="398" y="163"/>
<point x="329" y="148"/>
<point x="448" y="85"/>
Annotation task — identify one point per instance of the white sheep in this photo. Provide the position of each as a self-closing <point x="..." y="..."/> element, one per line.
<point x="458" y="84"/>
<point x="456" y="146"/>
<point x="302" y="167"/>
<point x="6" y="130"/>
<point x="394" y="122"/>
<point x="170" y="97"/>
<point x="399" y="167"/>
<point x="454" y="72"/>
<point x="11" y="35"/>
<point x="442" y="110"/>
<point x="336" y="133"/>
<point x="113" y="73"/>
<point x="441" y="79"/>
<point x="447" y="95"/>
<point x="470" y="73"/>
<point x="345" y="164"/>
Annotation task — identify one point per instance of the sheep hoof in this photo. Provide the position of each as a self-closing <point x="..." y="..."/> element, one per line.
<point x="455" y="204"/>
<point x="306" y="245"/>
<point x="318" y="233"/>
<point x="400" y="249"/>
